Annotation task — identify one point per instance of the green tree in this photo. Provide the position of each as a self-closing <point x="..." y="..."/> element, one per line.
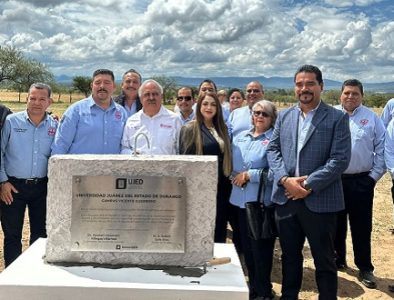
<point x="332" y="96"/>
<point x="28" y="72"/>
<point x="10" y="59"/>
<point x="82" y="84"/>
<point x="169" y="87"/>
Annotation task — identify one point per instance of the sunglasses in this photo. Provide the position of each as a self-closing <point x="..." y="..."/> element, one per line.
<point x="258" y="113"/>
<point x="186" y="98"/>
<point x="253" y="90"/>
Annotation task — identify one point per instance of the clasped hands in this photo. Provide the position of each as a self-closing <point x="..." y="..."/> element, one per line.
<point x="294" y="187"/>
<point x="241" y="179"/>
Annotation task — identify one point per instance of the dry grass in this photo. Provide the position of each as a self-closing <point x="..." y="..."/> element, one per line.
<point x="349" y="287"/>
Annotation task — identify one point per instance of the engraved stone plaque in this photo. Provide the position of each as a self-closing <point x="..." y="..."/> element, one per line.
<point x="128" y="214"/>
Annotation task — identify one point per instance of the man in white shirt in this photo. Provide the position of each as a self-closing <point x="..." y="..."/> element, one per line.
<point x="160" y="125"/>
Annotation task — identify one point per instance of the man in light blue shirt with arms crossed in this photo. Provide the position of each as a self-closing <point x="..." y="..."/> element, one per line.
<point x="366" y="167"/>
<point x="93" y="125"/>
<point x="25" y="149"/>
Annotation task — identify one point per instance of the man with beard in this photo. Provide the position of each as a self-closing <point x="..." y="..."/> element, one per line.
<point x="160" y="126"/>
<point x="240" y="119"/>
<point x="309" y="149"/>
<point x="93" y="125"/>
<point x="128" y="98"/>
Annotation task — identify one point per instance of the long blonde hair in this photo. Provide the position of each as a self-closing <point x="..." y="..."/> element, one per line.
<point x="194" y="137"/>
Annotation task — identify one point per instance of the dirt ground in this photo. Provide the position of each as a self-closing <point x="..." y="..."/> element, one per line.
<point x="349" y="286"/>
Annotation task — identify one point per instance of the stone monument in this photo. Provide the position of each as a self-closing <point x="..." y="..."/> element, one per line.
<point x="131" y="210"/>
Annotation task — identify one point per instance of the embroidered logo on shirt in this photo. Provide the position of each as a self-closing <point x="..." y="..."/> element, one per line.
<point x="118" y="115"/>
<point x="51" y="131"/>
<point x="265" y="142"/>
<point x="165" y="126"/>
<point x="364" y="122"/>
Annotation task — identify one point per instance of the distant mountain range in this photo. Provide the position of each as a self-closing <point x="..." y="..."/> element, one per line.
<point x="268" y="82"/>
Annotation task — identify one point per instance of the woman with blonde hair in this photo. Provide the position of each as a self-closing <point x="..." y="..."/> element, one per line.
<point x="207" y="135"/>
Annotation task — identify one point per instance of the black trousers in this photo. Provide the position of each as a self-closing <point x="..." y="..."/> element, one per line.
<point x="34" y="197"/>
<point x="222" y="209"/>
<point x="295" y="223"/>
<point x="258" y="258"/>
<point x="358" y="193"/>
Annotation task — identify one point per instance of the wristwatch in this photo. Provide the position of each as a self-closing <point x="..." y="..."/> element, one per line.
<point x="307" y="186"/>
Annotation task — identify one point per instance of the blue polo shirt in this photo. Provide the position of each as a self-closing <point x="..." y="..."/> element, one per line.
<point x="25" y="148"/>
<point x="86" y="128"/>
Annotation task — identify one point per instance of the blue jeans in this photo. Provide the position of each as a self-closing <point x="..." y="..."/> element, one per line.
<point x="32" y="195"/>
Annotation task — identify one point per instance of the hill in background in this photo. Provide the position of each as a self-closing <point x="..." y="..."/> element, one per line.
<point x="268" y="82"/>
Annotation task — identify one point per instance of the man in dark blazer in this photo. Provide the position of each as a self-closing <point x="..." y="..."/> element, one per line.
<point x="309" y="150"/>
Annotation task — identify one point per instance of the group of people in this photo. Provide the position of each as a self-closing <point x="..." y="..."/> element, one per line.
<point x="323" y="163"/>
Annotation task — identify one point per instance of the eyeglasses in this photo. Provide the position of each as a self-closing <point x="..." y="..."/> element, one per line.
<point x="186" y="98"/>
<point x="258" y="113"/>
<point x="249" y="91"/>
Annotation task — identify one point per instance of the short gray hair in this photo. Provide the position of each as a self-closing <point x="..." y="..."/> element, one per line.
<point x="142" y="87"/>
<point x="41" y="86"/>
<point x="269" y="108"/>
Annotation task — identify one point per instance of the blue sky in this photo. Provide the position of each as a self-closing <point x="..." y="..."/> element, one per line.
<point x="205" y="38"/>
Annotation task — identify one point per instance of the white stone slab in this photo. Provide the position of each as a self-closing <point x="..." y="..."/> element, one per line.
<point x="29" y="277"/>
<point x="201" y="177"/>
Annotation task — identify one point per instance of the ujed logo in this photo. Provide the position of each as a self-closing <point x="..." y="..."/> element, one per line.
<point x="121" y="183"/>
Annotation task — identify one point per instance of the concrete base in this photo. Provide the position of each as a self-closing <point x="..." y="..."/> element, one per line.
<point x="29" y="277"/>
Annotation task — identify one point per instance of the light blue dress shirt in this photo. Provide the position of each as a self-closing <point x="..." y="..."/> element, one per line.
<point x="86" y="128"/>
<point x="25" y="148"/>
<point x="239" y="120"/>
<point x="389" y="148"/>
<point x="188" y="119"/>
<point x="304" y="124"/>
<point x="367" y="134"/>
<point x="388" y="112"/>
<point x="249" y="154"/>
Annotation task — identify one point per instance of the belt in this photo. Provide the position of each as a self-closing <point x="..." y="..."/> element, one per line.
<point x="28" y="180"/>
<point x="355" y="175"/>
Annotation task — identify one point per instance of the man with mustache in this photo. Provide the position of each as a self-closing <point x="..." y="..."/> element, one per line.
<point x="366" y="167"/>
<point x="93" y="125"/>
<point x="128" y="98"/>
<point x="309" y="150"/>
<point x="160" y="125"/>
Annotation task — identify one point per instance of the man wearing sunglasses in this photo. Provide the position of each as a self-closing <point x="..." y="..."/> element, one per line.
<point x="239" y="119"/>
<point x="185" y="101"/>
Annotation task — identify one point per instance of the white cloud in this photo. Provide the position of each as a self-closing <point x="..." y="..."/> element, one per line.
<point x="201" y="37"/>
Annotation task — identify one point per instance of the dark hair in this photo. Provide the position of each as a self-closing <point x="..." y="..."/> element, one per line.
<point x="41" y="86"/>
<point x="310" y="69"/>
<point x="353" y="82"/>
<point x="209" y="81"/>
<point x="132" y="71"/>
<point x="104" y="72"/>
<point x="236" y="90"/>
<point x="187" y="88"/>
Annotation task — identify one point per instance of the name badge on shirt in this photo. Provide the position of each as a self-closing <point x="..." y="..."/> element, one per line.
<point x="20" y="129"/>
<point x="165" y="126"/>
